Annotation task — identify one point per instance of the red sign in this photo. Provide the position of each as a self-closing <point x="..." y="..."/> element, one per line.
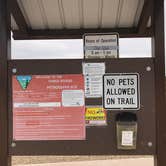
<point x="48" y="107"/>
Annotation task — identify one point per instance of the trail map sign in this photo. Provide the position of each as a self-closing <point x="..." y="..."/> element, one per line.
<point x="48" y="107"/>
<point x="101" y="45"/>
<point x="121" y="91"/>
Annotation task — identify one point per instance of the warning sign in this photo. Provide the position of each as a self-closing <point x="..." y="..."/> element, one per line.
<point x="121" y="91"/>
<point x="95" y="116"/>
<point x="48" y="107"/>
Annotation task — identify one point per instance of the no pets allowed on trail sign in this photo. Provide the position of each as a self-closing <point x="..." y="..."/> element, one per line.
<point x="121" y="91"/>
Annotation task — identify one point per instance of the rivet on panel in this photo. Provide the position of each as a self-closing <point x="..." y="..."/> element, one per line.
<point x="14" y="70"/>
<point x="148" y="68"/>
<point x="13" y="144"/>
<point x="150" y="144"/>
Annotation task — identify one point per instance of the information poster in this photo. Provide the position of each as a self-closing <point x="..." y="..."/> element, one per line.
<point x="101" y="45"/>
<point x="95" y="116"/>
<point x="48" y="107"/>
<point x="93" y="73"/>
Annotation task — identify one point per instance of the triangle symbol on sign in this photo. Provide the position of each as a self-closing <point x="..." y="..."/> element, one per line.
<point x="24" y="81"/>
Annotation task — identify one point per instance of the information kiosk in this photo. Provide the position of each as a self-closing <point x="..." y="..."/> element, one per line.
<point x="98" y="105"/>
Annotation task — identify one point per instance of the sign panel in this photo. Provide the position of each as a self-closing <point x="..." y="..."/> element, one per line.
<point x="48" y="107"/>
<point x="101" y="45"/>
<point x="95" y="116"/>
<point x="93" y="74"/>
<point x="121" y="91"/>
<point x="127" y="138"/>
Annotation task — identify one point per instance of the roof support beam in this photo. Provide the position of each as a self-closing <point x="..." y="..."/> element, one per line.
<point x="18" y="16"/>
<point x="74" y="33"/>
<point x="158" y="47"/>
<point x="147" y="11"/>
<point x="5" y="54"/>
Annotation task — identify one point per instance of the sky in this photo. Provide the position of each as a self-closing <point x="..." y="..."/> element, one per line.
<point x="57" y="49"/>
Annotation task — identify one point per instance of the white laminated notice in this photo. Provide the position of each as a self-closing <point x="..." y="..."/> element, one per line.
<point x="73" y="98"/>
<point x="127" y="138"/>
<point x="94" y="86"/>
<point x="101" y="45"/>
<point x="93" y="73"/>
<point x="93" y="68"/>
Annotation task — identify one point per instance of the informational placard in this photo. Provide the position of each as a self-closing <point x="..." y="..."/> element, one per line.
<point x="101" y="45"/>
<point x="121" y="91"/>
<point x="127" y="138"/>
<point x="93" y="68"/>
<point x="93" y="73"/>
<point x="95" y="116"/>
<point x="48" y="107"/>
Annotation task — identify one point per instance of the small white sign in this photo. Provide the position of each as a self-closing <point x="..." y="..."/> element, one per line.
<point x="121" y="91"/>
<point x="73" y="98"/>
<point x="101" y="45"/>
<point x="93" y="73"/>
<point x="127" y="138"/>
<point x="93" y="86"/>
<point x="93" y="68"/>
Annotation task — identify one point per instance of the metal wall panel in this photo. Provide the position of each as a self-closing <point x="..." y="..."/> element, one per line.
<point x="109" y="13"/>
<point x="127" y="13"/>
<point x="101" y="139"/>
<point x="76" y="14"/>
<point x="52" y="13"/>
<point x="138" y="12"/>
<point x="33" y="12"/>
<point x="71" y="13"/>
<point x="91" y="13"/>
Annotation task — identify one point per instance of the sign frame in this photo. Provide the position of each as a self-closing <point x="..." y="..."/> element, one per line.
<point x="100" y="34"/>
<point x="138" y="92"/>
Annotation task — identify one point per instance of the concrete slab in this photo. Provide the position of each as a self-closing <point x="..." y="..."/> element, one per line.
<point x="112" y="162"/>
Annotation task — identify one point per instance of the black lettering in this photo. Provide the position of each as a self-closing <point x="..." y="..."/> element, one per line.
<point x="110" y="101"/>
<point x="120" y="81"/>
<point x="108" y="92"/>
<point x="110" y="82"/>
<point x="132" y="81"/>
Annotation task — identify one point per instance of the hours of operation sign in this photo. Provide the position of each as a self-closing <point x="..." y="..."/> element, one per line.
<point x="121" y="91"/>
<point x="101" y="45"/>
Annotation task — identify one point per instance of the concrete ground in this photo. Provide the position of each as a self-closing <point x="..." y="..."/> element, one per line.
<point x="147" y="161"/>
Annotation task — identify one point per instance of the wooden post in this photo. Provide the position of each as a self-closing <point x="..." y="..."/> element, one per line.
<point x="5" y="53"/>
<point x="159" y="54"/>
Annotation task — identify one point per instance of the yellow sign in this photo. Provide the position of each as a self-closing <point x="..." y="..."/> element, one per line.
<point x="95" y="116"/>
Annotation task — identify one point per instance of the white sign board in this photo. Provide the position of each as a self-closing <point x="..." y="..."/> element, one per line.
<point x="93" y="68"/>
<point x="121" y="91"/>
<point x="93" y="74"/>
<point x="127" y="138"/>
<point x="101" y="45"/>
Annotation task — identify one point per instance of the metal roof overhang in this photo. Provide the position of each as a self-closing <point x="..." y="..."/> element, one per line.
<point x="70" y="19"/>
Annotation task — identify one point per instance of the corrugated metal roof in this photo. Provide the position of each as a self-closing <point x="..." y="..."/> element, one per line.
<point x="76" y="14"/>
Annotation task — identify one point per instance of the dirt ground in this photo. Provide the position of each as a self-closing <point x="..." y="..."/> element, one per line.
<point x="18" y="160"/>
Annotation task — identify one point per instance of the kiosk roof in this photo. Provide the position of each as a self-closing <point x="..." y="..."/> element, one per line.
<point x="60" y="19"/>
